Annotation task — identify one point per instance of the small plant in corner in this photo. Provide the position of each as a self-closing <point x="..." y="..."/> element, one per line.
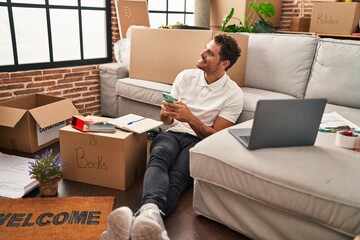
<point x="263" y="10"/>
<point x="46" y="167"/>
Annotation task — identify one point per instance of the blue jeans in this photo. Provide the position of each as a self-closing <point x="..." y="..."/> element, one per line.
<point x="167" y="175"/>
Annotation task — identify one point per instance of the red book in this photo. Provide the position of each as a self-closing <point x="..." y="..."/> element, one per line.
<point x="87" y="124"/>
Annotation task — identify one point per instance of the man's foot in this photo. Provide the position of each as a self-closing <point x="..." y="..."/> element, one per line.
<point x="119" y="225"/>
<point x="149" y="224"/>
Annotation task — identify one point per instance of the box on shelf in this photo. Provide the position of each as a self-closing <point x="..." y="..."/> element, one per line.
<point x="111" y="160"/>
<point x="335" y="18"/>
<point x="219" y="9"/>
<point x="168" y="51"/>
<point x="300" y="24"/>
<point x="30" y="123"/>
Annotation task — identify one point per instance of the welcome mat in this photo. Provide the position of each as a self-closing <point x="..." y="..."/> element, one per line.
<point x="54" y="218"/>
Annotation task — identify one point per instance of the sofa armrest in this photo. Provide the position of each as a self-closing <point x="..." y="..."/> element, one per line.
<point x="109" y="74"/>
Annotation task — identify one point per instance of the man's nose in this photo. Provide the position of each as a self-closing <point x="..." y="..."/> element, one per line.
<point x="203" y="54"/>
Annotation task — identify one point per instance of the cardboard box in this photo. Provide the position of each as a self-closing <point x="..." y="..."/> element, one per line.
<point x="131" y="12"/>
<point x="335" y="18"/>
<point x="300" y="24"/>
<point x="111" y="160"/>
<point x="219" y="9"/>
<point x="160" y="54"/>
<point x="31" y="123"/>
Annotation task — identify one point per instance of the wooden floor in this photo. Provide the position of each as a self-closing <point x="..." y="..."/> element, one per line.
<point x="183" y="223"/>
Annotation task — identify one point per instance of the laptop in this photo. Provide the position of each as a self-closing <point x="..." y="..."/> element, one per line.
<point x="282" y="123"/>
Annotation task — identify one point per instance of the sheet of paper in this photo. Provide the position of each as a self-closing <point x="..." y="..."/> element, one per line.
<point x="15" y="181"/>
<point x="333" y="119"/>
<point x="125" y="120"/>
<point x="135" y="123"/>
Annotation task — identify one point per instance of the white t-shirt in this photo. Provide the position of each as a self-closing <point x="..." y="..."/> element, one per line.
<point x="222" y="98"/>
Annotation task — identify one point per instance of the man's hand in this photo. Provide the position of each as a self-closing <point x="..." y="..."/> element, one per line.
<point x="182" y="113"/>
<point x="164" y="114"/>
<point x="178" y="111"/>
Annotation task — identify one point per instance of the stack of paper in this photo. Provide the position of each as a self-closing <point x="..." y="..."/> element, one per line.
<point x="333" y="120"/>
<point x="15" y="181"/>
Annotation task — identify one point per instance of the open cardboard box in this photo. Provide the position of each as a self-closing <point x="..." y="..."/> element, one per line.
<point x="335" y="18"/>
<point x="159" y="55"/>
<point x="31" y="123"/>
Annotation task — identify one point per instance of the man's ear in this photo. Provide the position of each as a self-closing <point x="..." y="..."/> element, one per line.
<point x="226" y="63"/>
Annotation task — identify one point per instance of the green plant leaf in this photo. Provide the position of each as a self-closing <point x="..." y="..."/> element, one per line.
<point x="227" y="19"/>
<point x="263" y="10"/>
<point x="267" y="9"/>
<point x="263" y="27"/>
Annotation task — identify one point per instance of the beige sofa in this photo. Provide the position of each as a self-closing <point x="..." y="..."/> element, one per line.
<point x="280" y="193"/>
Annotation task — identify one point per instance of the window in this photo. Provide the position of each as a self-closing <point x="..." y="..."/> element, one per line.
<point x="37" y="34"/>
<point x="168" y="12"/>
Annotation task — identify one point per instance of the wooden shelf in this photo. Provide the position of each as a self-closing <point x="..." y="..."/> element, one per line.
<point x="324" y="35"/>
<point x="343" y="36"/>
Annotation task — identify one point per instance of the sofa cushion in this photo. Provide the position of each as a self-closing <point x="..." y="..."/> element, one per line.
<point x="280" y="62"/>
<point x="336" y="72"/>
<point x="142" y="90"/>
<point x="252" y="96"/>
<point x="318" y="183"/>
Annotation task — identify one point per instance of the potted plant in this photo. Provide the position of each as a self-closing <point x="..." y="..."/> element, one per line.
<point x="263" y="10"/>
<point x="47" y="169"/>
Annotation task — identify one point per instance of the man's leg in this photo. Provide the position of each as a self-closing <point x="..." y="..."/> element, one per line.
<point x="120" y="221"/>
<point x="148" y="223"/>
<point x="179" y="177"/>
<point x="163" y="154"/>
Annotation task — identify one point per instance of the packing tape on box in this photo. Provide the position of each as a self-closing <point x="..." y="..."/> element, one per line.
<point x="345" y="141"/>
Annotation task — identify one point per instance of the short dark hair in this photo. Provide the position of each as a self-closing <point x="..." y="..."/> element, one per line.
<point x="230" y="49"/>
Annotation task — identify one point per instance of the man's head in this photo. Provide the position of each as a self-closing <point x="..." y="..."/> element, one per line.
<point x="230" y="49"/>
<point x="219" y="55"/>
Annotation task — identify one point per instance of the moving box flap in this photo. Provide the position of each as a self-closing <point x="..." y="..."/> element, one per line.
<point x="53" y="113"/>
<point x="10" y="116"/>
<point x="130" y="13"/>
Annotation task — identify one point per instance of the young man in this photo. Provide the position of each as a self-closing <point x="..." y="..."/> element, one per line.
<point x="207" y="101"/>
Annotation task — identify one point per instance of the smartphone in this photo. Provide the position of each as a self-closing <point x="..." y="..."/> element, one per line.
<point x="168" y="97"/>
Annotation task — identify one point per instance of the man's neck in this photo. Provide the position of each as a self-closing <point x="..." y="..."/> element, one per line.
<point x="213" y="77"/>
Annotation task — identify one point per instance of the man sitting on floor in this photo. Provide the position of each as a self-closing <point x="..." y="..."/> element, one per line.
<point x="207" y="101"/>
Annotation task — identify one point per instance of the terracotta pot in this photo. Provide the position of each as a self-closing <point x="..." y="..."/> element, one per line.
<point x="49" y="187"/>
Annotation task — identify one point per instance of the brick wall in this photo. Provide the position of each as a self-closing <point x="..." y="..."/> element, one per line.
<point x="81" y="84"/>
<point x="290" y="9"/>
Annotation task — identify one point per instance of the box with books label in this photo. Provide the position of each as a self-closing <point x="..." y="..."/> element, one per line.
<point x="112" y="160"/>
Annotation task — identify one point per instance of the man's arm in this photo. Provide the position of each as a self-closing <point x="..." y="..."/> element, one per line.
<point x="181" y="112"/>
<point x="203" y="131"/>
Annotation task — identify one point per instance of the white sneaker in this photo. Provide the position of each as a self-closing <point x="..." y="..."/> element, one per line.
<point x="119" y="225"/>
<point x="148" y="225"/>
